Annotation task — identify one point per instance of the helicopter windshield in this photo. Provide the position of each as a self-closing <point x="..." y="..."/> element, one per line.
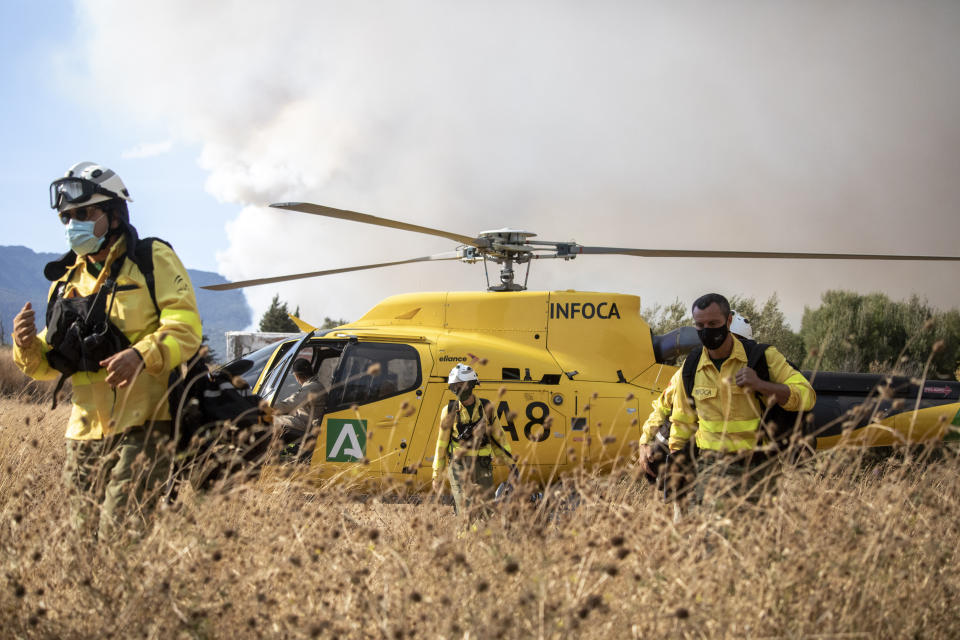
<point x="250" y="366"/>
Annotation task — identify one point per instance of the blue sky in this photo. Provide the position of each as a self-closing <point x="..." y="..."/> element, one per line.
<point x="48" y="127"/>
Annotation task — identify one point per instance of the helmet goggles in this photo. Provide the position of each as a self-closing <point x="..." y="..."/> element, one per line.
<point x="75" y="190"/>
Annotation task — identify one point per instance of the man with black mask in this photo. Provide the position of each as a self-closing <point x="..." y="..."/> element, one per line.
<point x="121" y="316"/>
<point x="727" y="401"/>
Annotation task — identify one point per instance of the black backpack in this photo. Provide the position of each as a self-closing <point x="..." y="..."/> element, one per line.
<point x="219" y="426"/>
<point x="778" y="423"/>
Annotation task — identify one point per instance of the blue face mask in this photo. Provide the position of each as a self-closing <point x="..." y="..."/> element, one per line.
<point x="81" y="237"/>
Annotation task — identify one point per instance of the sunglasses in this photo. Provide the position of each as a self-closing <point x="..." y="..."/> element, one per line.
<point x="80" y="214"/>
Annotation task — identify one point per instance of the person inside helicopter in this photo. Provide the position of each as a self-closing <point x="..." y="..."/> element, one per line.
<point x="303" y="408"/>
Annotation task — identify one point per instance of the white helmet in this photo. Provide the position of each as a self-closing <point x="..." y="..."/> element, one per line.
<point x="462" y="373"/>
<point x="86" y="183"/>
<point x="741" y="326"/>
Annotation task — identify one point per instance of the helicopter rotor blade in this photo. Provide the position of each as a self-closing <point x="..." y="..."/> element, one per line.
<point x="680" y="253"/>
<point x="343" y="214"/>
<point x="449" y="255"/>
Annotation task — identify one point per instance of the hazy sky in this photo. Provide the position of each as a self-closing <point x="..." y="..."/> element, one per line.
<point x="815" y="126"/>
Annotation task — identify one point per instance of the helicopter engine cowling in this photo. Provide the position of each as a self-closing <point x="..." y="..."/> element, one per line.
<point x="672" y="345"/>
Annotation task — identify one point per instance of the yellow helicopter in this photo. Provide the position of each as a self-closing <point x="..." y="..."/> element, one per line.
<point x="572" y="374"/>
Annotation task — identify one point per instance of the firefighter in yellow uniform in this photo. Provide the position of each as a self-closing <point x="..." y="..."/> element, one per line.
<point x="470" y="435"/>
<point x="117" y="333"/>
<point x="724" y="411"/>
<point x="655" y="432"/>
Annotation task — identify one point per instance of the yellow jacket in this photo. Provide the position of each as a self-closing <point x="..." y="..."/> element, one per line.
<point x="727" y="417"/>
<point x="163" y="342"/>
<point x="494" y="431"/>
<point x="661" y="407"/>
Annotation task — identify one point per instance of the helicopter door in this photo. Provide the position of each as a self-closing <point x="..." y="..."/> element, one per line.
<point x="614" y="424"/>
<point x="280" y="370"/>
<point x="535" y="422"/>
<point x="372" y="408"/>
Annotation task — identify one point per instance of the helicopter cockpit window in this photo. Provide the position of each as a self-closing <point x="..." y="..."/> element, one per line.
<point x="323" y="361"/>
<point x="250" y="366"/>
<point x="373" y="371"/>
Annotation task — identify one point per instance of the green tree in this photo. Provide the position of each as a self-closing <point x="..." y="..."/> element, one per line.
<point x="663" y="319"/>
<point x="277" y="318"/>
<point x="330" y="323"/>
<point x="211" y="352"/>
<point x="871" y="333"/>
<point x="770" y="326"/>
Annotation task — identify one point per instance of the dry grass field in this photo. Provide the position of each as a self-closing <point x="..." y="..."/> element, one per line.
<point x="843" y="549"/>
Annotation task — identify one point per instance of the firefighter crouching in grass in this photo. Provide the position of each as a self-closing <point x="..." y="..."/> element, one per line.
<point x="469" y="436"/>
<point x="724" y="410"/>
<point x="121" y="315"/>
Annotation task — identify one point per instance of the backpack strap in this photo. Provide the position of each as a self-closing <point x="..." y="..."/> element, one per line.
<point x="58" y="290"/>
<point x="757" y="358"/>
<point x="143" y="258"/>
<point x="453" y="405"/>
<point x="690" y="371"/>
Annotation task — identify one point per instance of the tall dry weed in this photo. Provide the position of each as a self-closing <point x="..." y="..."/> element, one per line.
<point x="14" y="384"/>
<point x="845" y="547"/>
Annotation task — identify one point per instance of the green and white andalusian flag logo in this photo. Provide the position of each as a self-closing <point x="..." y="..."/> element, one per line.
<point x="346" y="440"/>
<point x="953" y="431"/>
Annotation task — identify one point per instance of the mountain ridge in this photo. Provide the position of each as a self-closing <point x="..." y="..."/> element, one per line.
<point x="21" y="279"/>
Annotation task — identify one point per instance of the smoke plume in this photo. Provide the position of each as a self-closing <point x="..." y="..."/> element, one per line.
<point x="816" y="126"/>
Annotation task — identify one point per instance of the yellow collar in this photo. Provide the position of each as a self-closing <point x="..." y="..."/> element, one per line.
<point x="116" y="251"/>
<point x="738" y="353"/>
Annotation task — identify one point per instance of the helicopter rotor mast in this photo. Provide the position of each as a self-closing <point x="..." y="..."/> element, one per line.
<point x="503" y="246"/>
<point x="507" y="247"/>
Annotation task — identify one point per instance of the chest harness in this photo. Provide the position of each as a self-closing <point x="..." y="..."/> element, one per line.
<point x="465" y="435"/>
<point x="79" y="330"/>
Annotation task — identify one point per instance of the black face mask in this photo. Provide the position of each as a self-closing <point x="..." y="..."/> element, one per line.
<point x="713" y="337"/>
<point x="462" y="392"/>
